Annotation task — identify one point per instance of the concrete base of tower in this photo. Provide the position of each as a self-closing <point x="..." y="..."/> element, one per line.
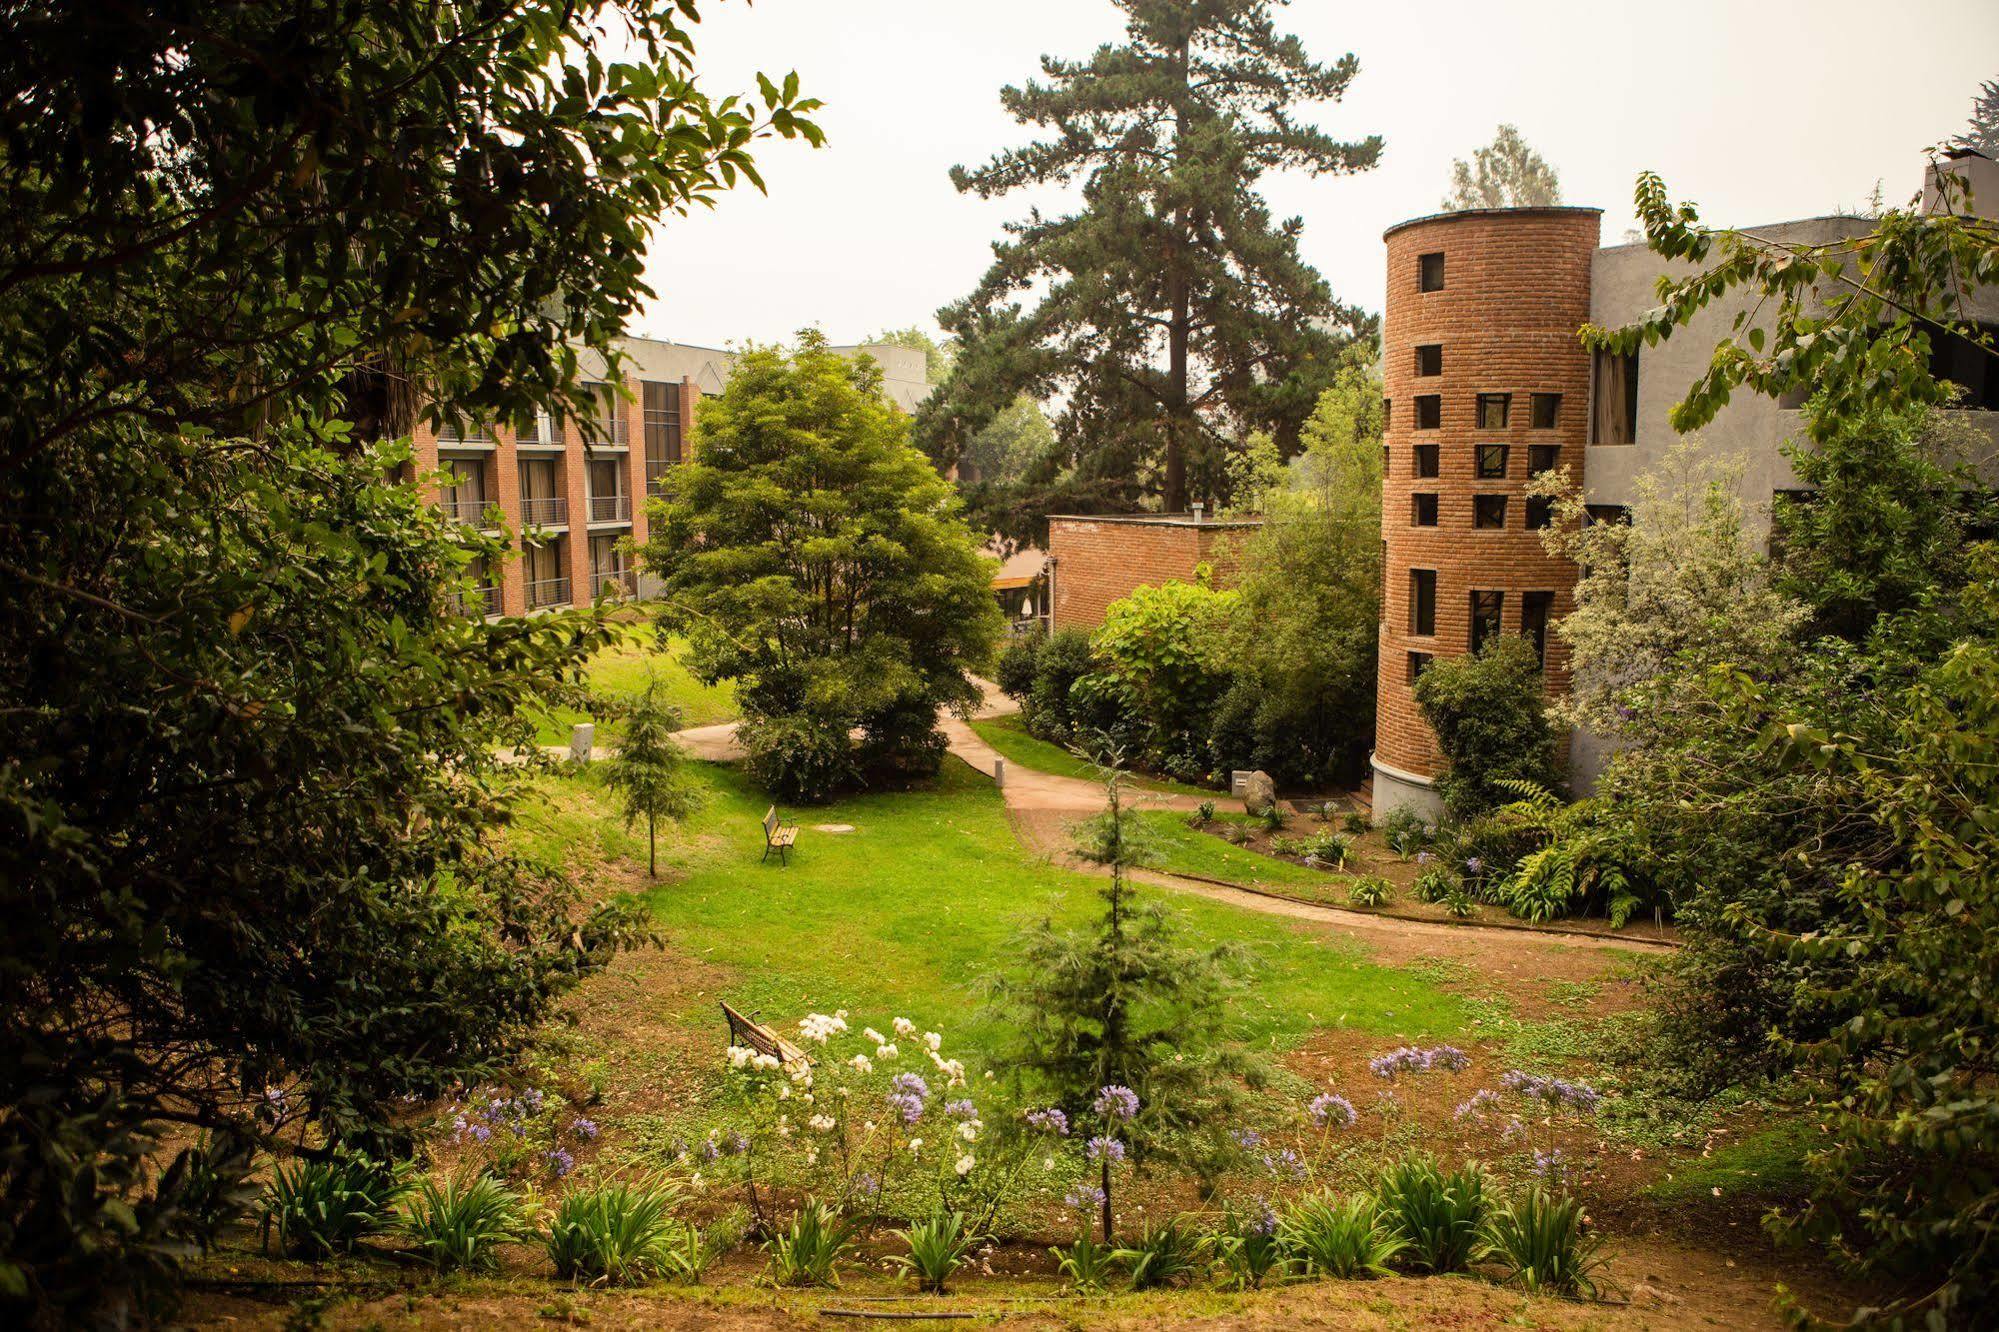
<point x="1397" y="788"/>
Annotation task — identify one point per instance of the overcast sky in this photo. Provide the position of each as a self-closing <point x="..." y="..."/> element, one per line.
<point x="1758" y="110"/>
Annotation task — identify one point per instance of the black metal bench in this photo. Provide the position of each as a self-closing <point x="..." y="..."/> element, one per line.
<point x="777" y="837"/>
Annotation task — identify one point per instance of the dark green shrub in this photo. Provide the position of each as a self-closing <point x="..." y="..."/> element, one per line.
<point x="617" y="1235"/>
<point x="1355" y="822"/>
<point x="320" y="1208"/>
<point x="1489" y="710"/>
<point x="1369" y="891"/>
<point x="798" y="756"/>
<point x="1540" y="1241"/>
<point x="1440" y="1214"/>
<point x="1346" y="1239"/>
<point x="808" y="1252"/>
<point x="1407" y="832"/>
<point x="1435" y="884"/>
<point x="1051" y="710"/>
<point x="1164" y="1255"/>
<point x="1018" y="664"/>
<point x="937" y="1249"/>
<point x="460" y="1224"/>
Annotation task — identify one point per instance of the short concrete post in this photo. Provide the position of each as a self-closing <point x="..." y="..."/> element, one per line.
<point x="582" y="739"/>
<point x="999" y="773"/>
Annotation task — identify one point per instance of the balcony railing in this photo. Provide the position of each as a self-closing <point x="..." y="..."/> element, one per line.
<point x="471" y="512"/>
<point x="620" y="582"/>
<point x="548" y="592"/>
<point x="610" y="508"/>
<point x="545" y="510"/>
<point x="479" y="602"/>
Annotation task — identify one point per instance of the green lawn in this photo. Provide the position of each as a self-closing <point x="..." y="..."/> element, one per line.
<point x="911" y="910"/>
<point x="621" y="669"/>
<point x="1009" y="736"/>
<point x="1192" y="851"/>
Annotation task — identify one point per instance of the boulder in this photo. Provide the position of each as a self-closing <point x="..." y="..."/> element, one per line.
<point x="1259" y="794"/>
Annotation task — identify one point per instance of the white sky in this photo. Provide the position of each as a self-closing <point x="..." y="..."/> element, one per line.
<point x="1758" y="110"/>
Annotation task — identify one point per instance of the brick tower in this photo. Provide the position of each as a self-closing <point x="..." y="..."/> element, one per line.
<point x="1486" y="384"/>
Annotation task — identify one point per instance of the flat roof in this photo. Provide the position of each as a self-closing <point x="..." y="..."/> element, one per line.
<point x="1155" y="519"/>
<point x="1539" y="210"/>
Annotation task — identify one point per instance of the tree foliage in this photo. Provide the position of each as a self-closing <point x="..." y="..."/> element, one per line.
<point x="647" y="769"/>
<point x="246" y="772"/>
<point x="1169" y="312"/>
<point x="1981" y="135"/>
<point x="815" y="558"/>
<point x="1489" y="710"/>
<point x="1507" y="173"/>
<point x="1126" y="1001"/>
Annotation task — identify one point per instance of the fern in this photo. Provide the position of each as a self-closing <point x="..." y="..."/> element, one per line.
<point x="1583" y="857"/>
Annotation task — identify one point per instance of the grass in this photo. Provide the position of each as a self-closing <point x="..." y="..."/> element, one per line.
<point x="1766" y="1164"/>
<point x="621" y="669"/>
<point x="1184" y="850"/>
<point x="1009" y="736"/>
<point x="908" y="913"/>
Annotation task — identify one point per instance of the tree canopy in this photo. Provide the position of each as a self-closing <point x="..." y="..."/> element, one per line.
<point x="1981" y="135"/>
<point x="1506" y="173"/>
<point x="247" y="773"/>
<point x="812" y="555"/>
<point x="1169" y="312"/>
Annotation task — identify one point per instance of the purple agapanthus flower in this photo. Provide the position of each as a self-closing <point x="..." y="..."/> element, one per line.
<point x="909" y="1084"/>
<point x="1247" y="1138"/>
<point x="906" y="1104"/>
<point x="560" y="1162"/>
<point x="1051" y="1120"/>
<point x="961" y="1109"/>
<point x="1476" y="1106"/>
<point x="1473" y="865"/>
<point x="708" y="1150"/>
<point x="1105" y="1149"/>
<point x="1286" y="1164"/>
<point x="1084" y="1198"/>
<point x="738" y="1144"/>
<point x="585" y="1129"/>
<point x="1550" y="1167"/>
<point x="1553" y="1092"/>
<point x="1260" y="1219"/>
<point x="1116" y="1102"/>
<point x="1330" y="1109"/>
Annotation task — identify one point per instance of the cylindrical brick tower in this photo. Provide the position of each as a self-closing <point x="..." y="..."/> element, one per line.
<point x="1486" y="383"/>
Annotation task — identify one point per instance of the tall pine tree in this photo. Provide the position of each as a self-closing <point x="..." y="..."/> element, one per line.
<point x="1982" y="134"/>
<point x="1170" y="313"/>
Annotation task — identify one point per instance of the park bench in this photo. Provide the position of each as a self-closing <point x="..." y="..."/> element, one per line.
<point x="754" y="1035"/>
<point x="777" y="837"/>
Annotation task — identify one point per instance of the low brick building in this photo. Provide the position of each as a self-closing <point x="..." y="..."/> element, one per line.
<point x="1095" y="559"/>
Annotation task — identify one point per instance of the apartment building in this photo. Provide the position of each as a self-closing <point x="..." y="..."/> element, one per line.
<point x="578" y="510"/>
<point x="1487" y="384"/>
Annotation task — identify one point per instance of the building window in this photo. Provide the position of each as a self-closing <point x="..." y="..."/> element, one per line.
<point x="547" y="584"/>
<point x="1426" y="460"/>
<point x="1423" y="509"/>
<point x="1605" y="513"/>
<point x="661" y="403"/>
<point x="1488" y="510"/>
<point x="1540" y="512"/>
<point x="536" y="429"/>
<point x="609" y="418"/>
<point x="1418" y="663"/>
<point x="1491" y="461"/>
<point x="1387" y="412"/>
<point x="1543" y="458"/>
<point x="451" y="431"/>
<point x="463" y="495"/>
<point x="1493" y="409"/>
<point x="1384" y="460"/>
<point x="1546" y="409"/>
<point x="610" y="566"/>
<point x="1614" y="399"/>
<point x="1429" y="360"/>
<point x="1974" y="368"/>
<point x="1430" y="272"/>
<point x="1534" y="609"/>
<point x="1429" y="411"/>
<point x="1487" y="609"/>
<point x="606" y="489"/>
<point x="1422" y="602"/>
<point x="542" y="503"/>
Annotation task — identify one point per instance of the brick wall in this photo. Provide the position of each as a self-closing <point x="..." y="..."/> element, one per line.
<point x="1100" y="560"/>
<point x="1516" y="290"/>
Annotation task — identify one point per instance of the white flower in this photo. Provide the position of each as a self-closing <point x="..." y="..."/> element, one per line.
<point x="874" y="1036"/>
<point x="823" y="1123"/>
<point x="863" y="1063"/>
<point x="904" y="1027"/>
<point x="763" y="1062"/>
<point x="868" y="1125"/>
<point x="818" y="1027"/>
<point x="969" y="1130"/>
<point x="1047" y="1163"/>
<point x="783" y="1091"/>
<point x="964" y="1165"/>
<point x="915" y="1146"/>
<point x="812" y="1156"/>
<point x="933" y="1040"/>
<point x="740" y="1055"/>
<point x="696" y="1181"/>
<point x="886" y="1052"/>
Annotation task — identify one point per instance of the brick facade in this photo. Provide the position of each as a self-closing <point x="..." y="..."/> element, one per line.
<point x="1101" y="559"/>
<point x="1515" y="288"/>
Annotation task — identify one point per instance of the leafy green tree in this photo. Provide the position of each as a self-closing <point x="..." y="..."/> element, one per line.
<point x="247" y="773"/>
<point x="1125" y="1002"/>
<point x="1505" y="174"/>
<point x="1001" y="455"/>
<point x="1303" y="640"/>
<point x="1489" y="710"/>
<point x="811" y="555"/>
<point x="1982" y="134"/>
<point x="1162" y="661"/>
<point x="647" y="771"/>
<point x="1170" y="312"/>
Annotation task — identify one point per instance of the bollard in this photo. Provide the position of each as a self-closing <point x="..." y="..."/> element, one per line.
<point x="582" y="739"/>
<point x="999" y="773"/>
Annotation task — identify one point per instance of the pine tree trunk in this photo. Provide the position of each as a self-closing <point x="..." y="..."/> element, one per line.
<point x="652" y="847"/>
<point x="1175" y="498"/>
<point x="1106" y="1204"/>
